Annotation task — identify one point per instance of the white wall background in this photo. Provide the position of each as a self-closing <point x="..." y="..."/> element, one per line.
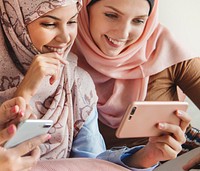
<point x="182" y="17"/>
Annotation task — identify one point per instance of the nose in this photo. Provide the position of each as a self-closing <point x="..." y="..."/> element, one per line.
<point x="124" y="30"/>
<point x="63" y="35"/>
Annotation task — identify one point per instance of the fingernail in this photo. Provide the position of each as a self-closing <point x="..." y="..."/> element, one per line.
<point x="14" y="109"/>
<point x="11" y="129"/>
<point x="161" y="125"/>
<point x="21" y="113"/>
<point x="180" y="113"/>
<point x="48" y="137"/>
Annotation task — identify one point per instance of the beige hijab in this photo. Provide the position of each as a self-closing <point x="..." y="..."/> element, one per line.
<point x="68" y="102"/>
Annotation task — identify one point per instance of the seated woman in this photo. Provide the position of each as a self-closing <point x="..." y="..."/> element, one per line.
<point x="36" y="37"/>
<point x="132" y="57"/>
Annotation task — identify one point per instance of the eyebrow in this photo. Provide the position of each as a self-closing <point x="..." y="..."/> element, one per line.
<point x="55" y="18"/>
<point x="113" y="8"/>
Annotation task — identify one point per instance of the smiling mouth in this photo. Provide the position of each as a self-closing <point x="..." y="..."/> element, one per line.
<point x="115" y="42"/>
<point x="60" y="51"/>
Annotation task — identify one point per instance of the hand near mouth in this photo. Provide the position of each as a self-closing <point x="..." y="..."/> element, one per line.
<point x="48" y="64"/>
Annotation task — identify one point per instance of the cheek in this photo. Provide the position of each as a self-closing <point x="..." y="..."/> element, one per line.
<point x="40" y="38"/>
<point x="138" y="32"/>
<point x="74" y="33"/>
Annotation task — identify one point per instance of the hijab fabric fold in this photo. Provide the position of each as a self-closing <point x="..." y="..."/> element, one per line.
<point x="123" y="79"/>
<point x="51" y="101"/>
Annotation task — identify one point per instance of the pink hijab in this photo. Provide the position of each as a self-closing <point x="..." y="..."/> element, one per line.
<point x="67" y="102"/>
<point x="124" y="78"/>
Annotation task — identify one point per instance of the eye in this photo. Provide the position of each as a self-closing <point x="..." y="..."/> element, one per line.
<point x="138" y="21"/>
<point x="111" y="15"/>
<point x="48" y="25"/>
<point x="72" y="22"/>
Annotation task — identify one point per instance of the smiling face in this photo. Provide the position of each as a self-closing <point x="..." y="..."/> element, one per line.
<point x="116" y="24"/>
<point x="55" y="31"/>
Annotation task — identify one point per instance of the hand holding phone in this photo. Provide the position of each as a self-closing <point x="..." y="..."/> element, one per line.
<point x="28" y="129"/>
<point x="141" y="118"/>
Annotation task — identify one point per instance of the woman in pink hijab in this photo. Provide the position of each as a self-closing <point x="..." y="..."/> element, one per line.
<point x="132" y="57"/>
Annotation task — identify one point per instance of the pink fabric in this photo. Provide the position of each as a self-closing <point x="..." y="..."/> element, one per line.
<point x="124" y="78"/>
<point x="77" y="164"/>
<point x="56" y="102"/>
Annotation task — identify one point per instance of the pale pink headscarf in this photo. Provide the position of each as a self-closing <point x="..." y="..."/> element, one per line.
<point x="67" y="102"/>
<point x="123" y="79"/>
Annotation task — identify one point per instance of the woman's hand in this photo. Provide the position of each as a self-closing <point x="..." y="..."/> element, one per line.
<point x="164" y="147"/>
<point x="43" y="65"/>
<point x="14" y="158"/>
<point x="13" y="111"/>
<point x="194" y="161"/>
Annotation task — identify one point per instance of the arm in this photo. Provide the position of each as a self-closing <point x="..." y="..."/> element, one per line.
<point x="187" y="76"/>
<point x="83" y="144"/>
<point x="89" y="143"/>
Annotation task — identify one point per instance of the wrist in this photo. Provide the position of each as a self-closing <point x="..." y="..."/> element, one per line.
<point x="23" y="93"/>
<point x="141" y="159"/>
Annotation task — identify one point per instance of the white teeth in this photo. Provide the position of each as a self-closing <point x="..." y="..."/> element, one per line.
<point x="119" y="43"/>
<point x="58" y="50"/>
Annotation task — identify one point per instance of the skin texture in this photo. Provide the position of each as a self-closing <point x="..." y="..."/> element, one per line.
<point x="120" y="24"/>
<point x="13" y="110"/>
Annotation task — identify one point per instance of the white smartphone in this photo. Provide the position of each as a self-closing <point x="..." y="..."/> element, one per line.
<point x="28" y="129"/>
<point x="142" y="117"/>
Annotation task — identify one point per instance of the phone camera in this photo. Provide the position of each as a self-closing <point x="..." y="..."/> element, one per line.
<point x="46" y="125"/>
<point x="132" y="112"/>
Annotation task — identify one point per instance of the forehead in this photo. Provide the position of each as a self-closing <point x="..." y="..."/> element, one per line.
<point x="33" y="9"/>
<point x="139" y="7"/>
<point x="64" y="12"/>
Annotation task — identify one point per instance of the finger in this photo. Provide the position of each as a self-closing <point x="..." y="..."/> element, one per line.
<point x="26" y="115"/>
<point x="169" y="141"/>
<point x="62" y="60"/>
<point x="185" y="119"/>
<point x="192" y="162"/>
<point x="7" y="133"/>
<point x="29" y="145"/>
<point x="29" y="161"/>
<point x="177" y="132"/>
<point x="167" y="151"/>
<point x="56" y="74"/>
<point x="12" y="107"/>
<point x="51" y="58"/>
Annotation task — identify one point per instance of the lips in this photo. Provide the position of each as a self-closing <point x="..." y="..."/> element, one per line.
<point x="59" y="50"/>
<point x="115" y="42"/>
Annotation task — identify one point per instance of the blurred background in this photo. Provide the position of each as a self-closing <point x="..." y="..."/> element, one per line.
<point x="182" y="17"/>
